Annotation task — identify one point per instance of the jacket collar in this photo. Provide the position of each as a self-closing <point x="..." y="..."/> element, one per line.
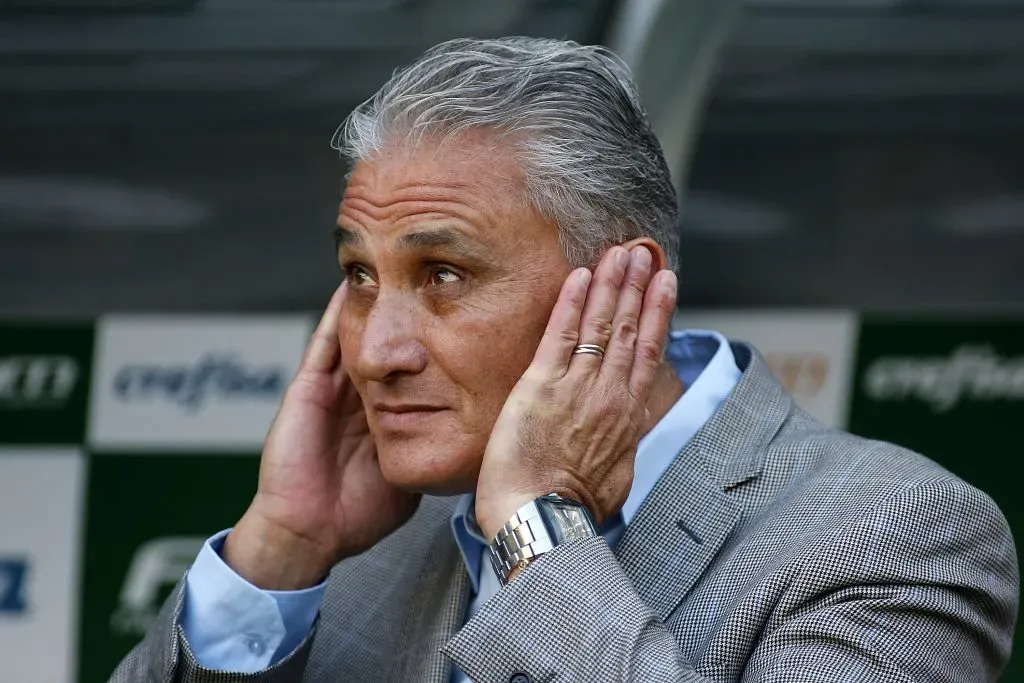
<point x="689" y="515"/>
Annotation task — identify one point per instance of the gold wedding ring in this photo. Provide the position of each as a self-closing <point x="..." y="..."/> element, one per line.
<point x="591" y="349"/>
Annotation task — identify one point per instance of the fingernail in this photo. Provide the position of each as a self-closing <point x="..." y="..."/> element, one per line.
<point x="641" y="256"/>
<point x="621" y="257"/>
<point x="583" y="275"/>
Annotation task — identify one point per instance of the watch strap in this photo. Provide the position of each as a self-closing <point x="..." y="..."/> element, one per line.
<point x="536" y="528"/>
<point x="519" y="541"/>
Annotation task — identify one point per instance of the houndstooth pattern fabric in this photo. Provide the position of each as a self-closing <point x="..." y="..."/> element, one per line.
<point x="772" y="549"/>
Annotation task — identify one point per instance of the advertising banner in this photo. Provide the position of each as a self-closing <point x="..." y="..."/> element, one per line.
<point x="44" y="382"/>
<point x="40" y="520"/>
<point x="952" y="390"/>
<point x="191" y="383"/>
<point x="811" y="353"/>
<point x="147" y="518"/>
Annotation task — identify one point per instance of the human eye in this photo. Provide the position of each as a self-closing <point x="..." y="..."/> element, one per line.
<point x="357" y="275"/>
<point x="441" y="276"/>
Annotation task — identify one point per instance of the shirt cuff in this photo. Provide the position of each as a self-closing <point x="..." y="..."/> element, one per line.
<point x="234" y="626"/>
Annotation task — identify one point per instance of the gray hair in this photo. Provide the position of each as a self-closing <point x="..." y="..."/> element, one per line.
<point x="591" y="162"/>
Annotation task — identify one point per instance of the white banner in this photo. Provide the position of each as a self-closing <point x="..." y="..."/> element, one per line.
<point x="187" y="383"/>
<point x="41" y="513"/>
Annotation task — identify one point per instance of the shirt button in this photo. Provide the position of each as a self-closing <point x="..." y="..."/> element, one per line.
<point x="520" y="678"/>
<point x="257" y="646"/>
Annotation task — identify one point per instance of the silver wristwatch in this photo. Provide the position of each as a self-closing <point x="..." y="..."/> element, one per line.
<point x="536" y="528"/>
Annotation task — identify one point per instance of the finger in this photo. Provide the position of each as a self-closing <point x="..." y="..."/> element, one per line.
<point x="562" y="333"/>
<point x="324" y="351"/>
<point x="596" y="322"/>
<point x="652" y="333"/>
<point x="618" y="357"/>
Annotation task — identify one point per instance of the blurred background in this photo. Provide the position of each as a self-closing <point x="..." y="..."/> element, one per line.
<point x="852" y="183"/>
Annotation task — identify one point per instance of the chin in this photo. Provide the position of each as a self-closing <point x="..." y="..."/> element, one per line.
<point x="432" y="466"/>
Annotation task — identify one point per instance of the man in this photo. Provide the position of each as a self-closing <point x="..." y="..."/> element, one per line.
<point x="508" y="238"/>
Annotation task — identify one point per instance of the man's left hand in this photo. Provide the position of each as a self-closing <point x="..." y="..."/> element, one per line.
<point x="572" y="423"/>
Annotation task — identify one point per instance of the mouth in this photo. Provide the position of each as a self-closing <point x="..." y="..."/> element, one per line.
<point x="405" y="416"/>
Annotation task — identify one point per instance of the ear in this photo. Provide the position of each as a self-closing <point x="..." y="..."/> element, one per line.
<point x="658" y="259"/>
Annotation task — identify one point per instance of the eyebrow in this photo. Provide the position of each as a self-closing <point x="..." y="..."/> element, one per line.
<point x="445" y="238"/>
<point x="344" y="237"/>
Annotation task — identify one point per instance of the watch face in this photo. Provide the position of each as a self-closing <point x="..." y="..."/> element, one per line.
<point x="572" y="521"/>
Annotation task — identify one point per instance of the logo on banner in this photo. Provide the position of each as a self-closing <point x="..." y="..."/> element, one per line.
<point x="38" y="381"/>
<point x="192" y="383"/>
<point x="969" y="372"/>
<point x="13" y="586"/>
<point x="802" y="374"/>
<point x="156" y="567"/>
<point x="218" y="376"/>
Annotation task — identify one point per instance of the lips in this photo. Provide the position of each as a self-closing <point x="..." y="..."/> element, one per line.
<point x="404" y="417"/>
<point x="405" y="408"/>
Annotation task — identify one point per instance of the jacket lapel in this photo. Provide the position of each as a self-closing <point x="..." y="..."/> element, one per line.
<point x="434" y="614"/>
<point x="692" y="510"/>
<point x="676" y="534"/>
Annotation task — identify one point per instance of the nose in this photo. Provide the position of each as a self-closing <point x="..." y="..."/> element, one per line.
<point x="390" y="344"/>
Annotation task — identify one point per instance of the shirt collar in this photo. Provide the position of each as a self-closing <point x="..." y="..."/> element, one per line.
<point x="705" y="364"/>
<point x="707" y="368"/>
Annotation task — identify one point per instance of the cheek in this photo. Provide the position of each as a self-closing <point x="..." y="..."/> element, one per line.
<point x="350" y="336"/>
<point x="487" y="354"/>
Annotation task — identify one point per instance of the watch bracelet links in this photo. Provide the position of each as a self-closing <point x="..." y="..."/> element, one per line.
<point x="522" y="538"/>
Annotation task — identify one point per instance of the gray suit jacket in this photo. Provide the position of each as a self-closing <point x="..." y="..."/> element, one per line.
<point x="772" y="549"/>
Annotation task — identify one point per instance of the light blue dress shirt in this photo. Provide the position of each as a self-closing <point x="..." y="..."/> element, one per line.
<point x="234" y="626"/>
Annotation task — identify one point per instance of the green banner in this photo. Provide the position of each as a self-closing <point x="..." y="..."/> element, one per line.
<point x="148" y="516"/>
<point x="953" y="391"/>
<point x="44" y="382"/>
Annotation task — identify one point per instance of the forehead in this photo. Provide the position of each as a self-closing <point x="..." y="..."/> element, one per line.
<point x="474" y="168"/>
<point x="472" y="184"/>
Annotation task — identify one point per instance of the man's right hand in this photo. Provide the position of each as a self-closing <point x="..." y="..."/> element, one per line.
<point x="321" y="495"/>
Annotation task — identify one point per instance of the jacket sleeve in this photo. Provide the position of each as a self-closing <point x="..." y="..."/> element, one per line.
<point x="571" y="616"/>
<point x="922" y="589"/>
<point x="164" y="655"/>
